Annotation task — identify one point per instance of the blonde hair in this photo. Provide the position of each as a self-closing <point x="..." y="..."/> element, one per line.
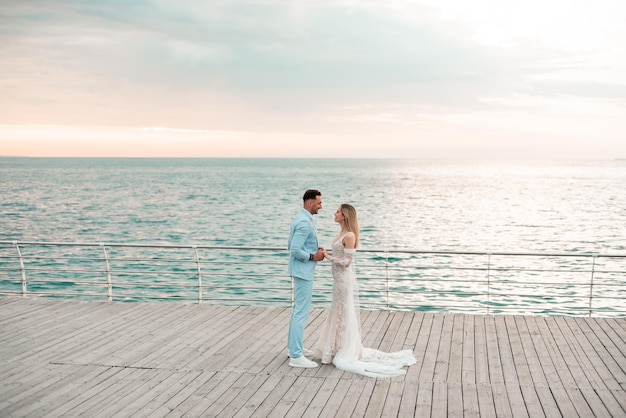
<point x="352" y="223"/>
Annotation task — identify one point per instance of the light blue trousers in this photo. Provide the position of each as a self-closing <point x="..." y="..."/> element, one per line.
<point x="303" y="291"/>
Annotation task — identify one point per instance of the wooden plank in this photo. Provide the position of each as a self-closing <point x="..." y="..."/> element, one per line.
<point x="429" y="361"/>
<point x="486" y="403"/>
<point x="468" y="370"/>
<point x="442" y="361"/>
<point x="481" y="357"/>
<point x="493" y="353"/>
<point x="454" y="395"/>
<point x="501" y="400"/>
<point x="530" y="354"/>
<point x="471" y="404"/>
<point x="417" y="338"/>
<point x="424" y="401"/>
<point x="455" y="366"/>
<point x="364" y="399"/>
<point x="377" y="398"/>
<point x="391" y="406"/>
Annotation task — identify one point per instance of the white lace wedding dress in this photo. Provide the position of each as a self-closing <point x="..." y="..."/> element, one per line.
<point x="340" y="338"/>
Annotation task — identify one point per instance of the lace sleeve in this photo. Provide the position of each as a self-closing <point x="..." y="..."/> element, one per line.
<point x="346" y="260"/>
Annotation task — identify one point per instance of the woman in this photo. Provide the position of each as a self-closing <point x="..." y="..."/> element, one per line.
<point x="340" y="338"/>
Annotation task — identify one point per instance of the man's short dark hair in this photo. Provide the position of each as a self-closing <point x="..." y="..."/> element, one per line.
<point x="311" y="194"/>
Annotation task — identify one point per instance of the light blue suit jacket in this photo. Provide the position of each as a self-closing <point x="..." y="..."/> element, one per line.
<point x="302" y="243"/>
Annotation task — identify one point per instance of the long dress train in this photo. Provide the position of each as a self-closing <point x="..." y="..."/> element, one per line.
<point x="340" y="338"/>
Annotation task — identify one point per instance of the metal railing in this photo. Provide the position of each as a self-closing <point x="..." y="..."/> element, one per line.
<point x="590" y="284"/>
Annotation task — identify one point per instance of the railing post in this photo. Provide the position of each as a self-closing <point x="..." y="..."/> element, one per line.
<point x="387" y="275"/>
<point x="488" y="282"/>
<point x="593" y="269"/>
<point x="195" y="249"/>
<point x="108" y="271"/>
<point x="22" y="268"/>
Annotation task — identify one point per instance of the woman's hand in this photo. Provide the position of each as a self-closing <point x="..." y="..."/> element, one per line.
<point x="327" y="254"/>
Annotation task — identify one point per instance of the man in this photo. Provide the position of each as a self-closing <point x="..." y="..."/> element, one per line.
<point x="304" y="253"/>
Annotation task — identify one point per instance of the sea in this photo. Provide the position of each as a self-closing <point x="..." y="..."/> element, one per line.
<point x="554" y="206"/>
<point x="559" y="206"/>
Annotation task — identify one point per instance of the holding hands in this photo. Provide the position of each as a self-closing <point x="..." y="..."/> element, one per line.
<point x="319" y="255"/>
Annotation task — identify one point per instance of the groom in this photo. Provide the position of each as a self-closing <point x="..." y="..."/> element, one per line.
<point x="304" y="253"/>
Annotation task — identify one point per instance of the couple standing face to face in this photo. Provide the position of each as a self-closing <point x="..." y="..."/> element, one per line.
<point x="304" y="253"/>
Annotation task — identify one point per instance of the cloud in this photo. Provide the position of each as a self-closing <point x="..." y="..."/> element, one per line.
<point x="359" y="68"/>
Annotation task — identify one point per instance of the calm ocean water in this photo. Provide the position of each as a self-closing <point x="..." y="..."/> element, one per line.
<point x="564" y="206"/>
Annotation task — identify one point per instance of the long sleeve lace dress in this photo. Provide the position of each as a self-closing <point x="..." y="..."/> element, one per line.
<point x="340" y="338"/>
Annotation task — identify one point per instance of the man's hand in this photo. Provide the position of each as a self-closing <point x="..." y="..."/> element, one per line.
<point x="319" y="255"/>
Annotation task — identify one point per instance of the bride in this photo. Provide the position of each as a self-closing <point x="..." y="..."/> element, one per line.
<point x="340" y="338"/>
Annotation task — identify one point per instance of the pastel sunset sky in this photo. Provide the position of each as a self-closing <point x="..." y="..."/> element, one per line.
<point x="319" y="78"/>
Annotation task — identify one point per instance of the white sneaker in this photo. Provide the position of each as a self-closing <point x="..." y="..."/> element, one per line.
<point x="305" y="352"/>
<point x="302" y="362"/>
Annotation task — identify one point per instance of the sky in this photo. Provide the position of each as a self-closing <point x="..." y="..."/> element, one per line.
<point x="515" y="79"/>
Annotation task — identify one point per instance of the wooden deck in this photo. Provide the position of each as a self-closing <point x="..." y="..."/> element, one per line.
<point x="68" y="358"/>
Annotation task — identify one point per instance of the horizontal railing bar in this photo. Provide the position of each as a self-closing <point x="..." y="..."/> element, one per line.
<point x="391" y="267"/>
<point x="369" y="250"/>
<point x="230" y="273"/>
<point x="98" y="295"/>
<point x="362" y="288"/>
<point x="149" y="285"/>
